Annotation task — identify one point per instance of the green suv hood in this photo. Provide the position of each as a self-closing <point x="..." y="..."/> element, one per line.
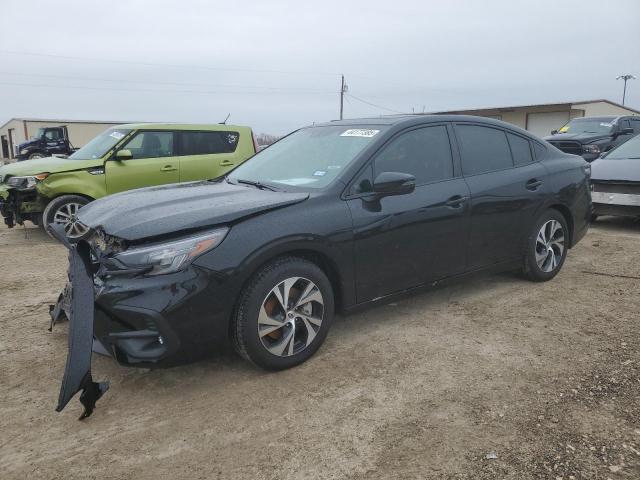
<point x="47" y="165"/>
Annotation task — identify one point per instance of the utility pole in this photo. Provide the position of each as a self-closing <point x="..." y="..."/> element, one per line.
<point x="343" y="89"/>
<point x="625" y="78"/>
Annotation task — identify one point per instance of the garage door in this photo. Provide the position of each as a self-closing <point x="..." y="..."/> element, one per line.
<point x="541" y="124"/>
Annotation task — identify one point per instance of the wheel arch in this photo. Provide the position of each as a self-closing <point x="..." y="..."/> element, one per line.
<point x="568" y="216"/>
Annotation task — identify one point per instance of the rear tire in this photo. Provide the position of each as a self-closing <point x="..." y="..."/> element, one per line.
<point x="546" y="247"/>
<point x="276" y="337"/>
<point x="63" y="210"/>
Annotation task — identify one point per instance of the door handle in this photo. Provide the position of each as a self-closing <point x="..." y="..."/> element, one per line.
<point x="168" y="168"/>
<point x="456" y="201"/>
<point x="533" y="184"/>
<point x="226" y="163"/>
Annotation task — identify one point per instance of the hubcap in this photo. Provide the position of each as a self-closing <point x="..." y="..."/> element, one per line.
<point x="67" y="216"/>
<point x="550" y="246"/>
<point x="290" y="316"/>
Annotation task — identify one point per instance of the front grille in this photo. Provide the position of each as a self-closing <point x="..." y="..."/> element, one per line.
<point x="568" y="147"/>
<point x="629" y="188"/>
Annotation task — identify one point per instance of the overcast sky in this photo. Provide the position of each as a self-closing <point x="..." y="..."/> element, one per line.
<point x="276" y="65"/>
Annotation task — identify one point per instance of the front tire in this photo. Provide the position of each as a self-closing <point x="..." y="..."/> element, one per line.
<point x="63" y="211"/>
<point x="36" y="155"/>
<point x="546" y="247"/>
<point x="284" y="314"/>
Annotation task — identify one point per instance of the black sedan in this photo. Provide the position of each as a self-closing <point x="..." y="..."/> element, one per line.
<point x="328" y="219"/>
<point x="615" y="181"/>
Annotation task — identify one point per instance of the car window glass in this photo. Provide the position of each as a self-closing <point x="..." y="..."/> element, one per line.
<point x="202" y="143"/>
<point x="483" y="149"/>
<point x="424" y="153"/>
<point x="364" y="182"/>
<point x="52" y="134"/>
<point x="540" y="150"/>
<point x="520" y="149"/>
<point x="635" y="124"/>
<point x="151" y="145"/>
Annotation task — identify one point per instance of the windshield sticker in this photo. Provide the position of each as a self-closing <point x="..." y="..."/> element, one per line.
<point x="117" y="135"/>
<point x="359" y="132"/>
<point x="319" y="173"/>
<point x="604" y="124"/>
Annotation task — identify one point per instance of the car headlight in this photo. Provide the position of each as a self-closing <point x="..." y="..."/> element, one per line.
<point x="29" y="181"/>
<point x="591" y="148"/>
<point x="169" y="257"/>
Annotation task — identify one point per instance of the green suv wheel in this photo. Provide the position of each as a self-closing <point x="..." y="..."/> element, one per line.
<point x="63" y="211"/>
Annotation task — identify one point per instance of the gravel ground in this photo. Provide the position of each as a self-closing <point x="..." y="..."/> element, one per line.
<point x="543" y="377"/>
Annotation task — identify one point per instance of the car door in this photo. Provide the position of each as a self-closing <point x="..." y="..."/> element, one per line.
<point x="507" y="189"/>
<point x="407" y="240"/>
<point x="153" y="162"/>
<point x="206" y="154"/>
<point x="54" y="141"/>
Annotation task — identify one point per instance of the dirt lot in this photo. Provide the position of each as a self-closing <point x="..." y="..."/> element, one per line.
<point x="544" y="376"/>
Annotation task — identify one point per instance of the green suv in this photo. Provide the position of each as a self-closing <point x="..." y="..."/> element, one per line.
<point x="51" y="190"/>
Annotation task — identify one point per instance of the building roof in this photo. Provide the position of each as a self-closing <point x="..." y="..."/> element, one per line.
<point x="552" y="104"/>
<point x="61" y="121"/>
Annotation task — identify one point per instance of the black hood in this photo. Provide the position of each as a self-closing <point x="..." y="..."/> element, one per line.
<point x="577" y="137"/>
<point x="28" y="143"/>
<point x="167" y="209"/>
<point x="609" y="169"/>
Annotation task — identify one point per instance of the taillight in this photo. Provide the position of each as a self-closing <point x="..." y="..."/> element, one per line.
<point x="255" y="143"/>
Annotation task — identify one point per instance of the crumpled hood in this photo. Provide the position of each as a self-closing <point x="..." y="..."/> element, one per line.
<point x="153" y="211"/>
<point x="611" y="169"/>
<point x="577" y="137"/>
<point x="47" y="165"/>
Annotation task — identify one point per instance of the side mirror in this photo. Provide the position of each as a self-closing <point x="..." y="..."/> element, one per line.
<point x="123" y="155"/>
<point x="625" y="131"/>
<point x="553" y="132"/>
<point x="394" y="183"/>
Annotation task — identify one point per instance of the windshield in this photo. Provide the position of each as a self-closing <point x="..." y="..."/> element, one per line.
<point x="588" y="125"/>
<point x="311" y="158"/>
<point x="629" y="149"/>
<point x="39" y="133"/>
<point x="101" y="144"/>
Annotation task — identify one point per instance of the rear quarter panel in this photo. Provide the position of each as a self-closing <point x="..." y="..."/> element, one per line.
<point x="570" y="188"/>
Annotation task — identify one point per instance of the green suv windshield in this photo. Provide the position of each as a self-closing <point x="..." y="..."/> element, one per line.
<point x="310" y="158"/>
<point x="100" y="145"/>
<point x="588" y="125"/>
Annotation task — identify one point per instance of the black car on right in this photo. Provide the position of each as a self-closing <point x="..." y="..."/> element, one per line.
<point x="615" y="181"/>
<point x="590" y="137"/>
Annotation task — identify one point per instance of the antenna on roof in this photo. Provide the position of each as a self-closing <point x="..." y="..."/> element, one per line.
<point x="225" y="120"/>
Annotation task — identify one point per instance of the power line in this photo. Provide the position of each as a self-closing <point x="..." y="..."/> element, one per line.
<point x="209" y="92"/>
<point x="154" y="64"/>
<point x="144" y="82"/>
<point x="373" y="104"/>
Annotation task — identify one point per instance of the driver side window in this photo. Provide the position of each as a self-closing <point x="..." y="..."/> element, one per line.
<point x="151" y="145"/>
<point x="424" y="153"/>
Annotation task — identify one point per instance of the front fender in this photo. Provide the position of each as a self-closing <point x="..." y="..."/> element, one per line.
<point x="79" y="182"/>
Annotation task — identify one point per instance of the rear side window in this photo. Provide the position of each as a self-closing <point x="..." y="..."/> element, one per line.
<point x="520" y="149"/>
<point x="540" y="150"/>
<point x="483" y="149"/>
<point x="424" y="153"/>
<point x="206" y="143"/>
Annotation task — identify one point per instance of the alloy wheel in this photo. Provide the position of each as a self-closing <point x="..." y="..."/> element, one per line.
<point x="290" y="316"/>
<point x="67" y="216"/>
<point x="550" y="246"/>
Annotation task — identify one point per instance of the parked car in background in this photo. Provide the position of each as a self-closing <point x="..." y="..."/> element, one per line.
<point x="52" y="190"/>
<point x="592" y="136"/>
<point x="329" y="218"/>
<point x="47" y="142"/>
<point x="615" y="181"/>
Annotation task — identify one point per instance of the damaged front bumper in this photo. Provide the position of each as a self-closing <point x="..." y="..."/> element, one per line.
<point x="18" y="205"/>
<point x="140" y="321"/>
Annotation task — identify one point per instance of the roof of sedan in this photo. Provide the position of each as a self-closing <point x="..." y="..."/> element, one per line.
<point x="399" y="119"/>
